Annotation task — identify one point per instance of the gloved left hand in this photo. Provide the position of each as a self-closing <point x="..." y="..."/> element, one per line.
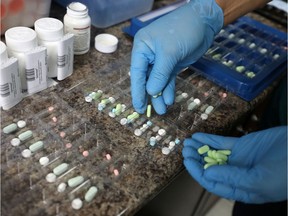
<point x="170" y="44"/>
<point x="257" y="167"/>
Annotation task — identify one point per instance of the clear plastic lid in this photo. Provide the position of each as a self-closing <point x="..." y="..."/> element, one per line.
<point x="21" y="39"/>
<point x="49" y="29"/>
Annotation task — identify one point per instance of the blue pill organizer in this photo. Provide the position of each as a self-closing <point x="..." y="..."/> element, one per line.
<point x="246" y="56"/>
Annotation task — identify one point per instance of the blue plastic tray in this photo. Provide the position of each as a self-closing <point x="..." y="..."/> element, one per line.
<point x="255" y="47"/>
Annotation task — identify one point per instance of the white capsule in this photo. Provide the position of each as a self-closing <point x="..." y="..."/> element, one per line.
<point x="197" y="101"/>
<point x="171" y="144"/>
<point x="21" y="124"/>
<point x="111" y="99"/>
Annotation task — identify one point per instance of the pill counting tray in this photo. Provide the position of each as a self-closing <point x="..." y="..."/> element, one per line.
<point x="245" y="57"/>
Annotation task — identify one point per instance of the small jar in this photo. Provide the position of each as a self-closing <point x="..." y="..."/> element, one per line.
<point x="20" y="40"/>
<point x="78" y="22"/>
<point x="50" y="32"/>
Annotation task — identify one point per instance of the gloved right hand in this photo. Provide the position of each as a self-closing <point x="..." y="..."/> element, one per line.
<point x="257" y="167"/>
<point x="170" y="44"/>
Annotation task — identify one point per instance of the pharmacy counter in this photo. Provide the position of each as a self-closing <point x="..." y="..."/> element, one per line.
<point x="91" y="146"/>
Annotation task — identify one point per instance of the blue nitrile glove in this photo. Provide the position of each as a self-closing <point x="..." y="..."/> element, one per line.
<point x="256" y="171"/>
<point x="170" y="44"/>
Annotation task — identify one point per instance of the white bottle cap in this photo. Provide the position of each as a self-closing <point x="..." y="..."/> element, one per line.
<point x="77" y="9"/>
<point x="49" y="29"/>
<point x="3" y="52"/>
<point x="106" y="43"/>
<point x="21" y="39"/>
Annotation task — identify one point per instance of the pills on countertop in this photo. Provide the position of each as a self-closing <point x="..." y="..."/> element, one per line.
<point x="165" y="151"/>
<point x="21" y="124"/>
<point x="85" y="153"/>
<point x="10" y="128"/>
<point x="44" y="161"/>
<point x="91" y="193"/>
<point x="73" y="182"/>
<point x="36" y="146"/>
<point x="50" y="177"/>
<point x="108" y="156"/>
<point x="61" y="187"/>
<point x="116" y="172"/>
<point x="15" y="142"/>
<point x="26" y="153"/>
<point x="60" y="169"/>
<point x="25" y="135"/>
<point x="77" y="204"/>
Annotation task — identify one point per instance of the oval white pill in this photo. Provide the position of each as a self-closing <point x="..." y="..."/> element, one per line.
<point x="44" y="161"/>
<point x="197" y="101"/>
<point x="77" y="204"/>
<point x="26" y="153"/>
<point x="15" y="142"/>
<point x="61" y="187"/>
<point x="138" y="132"/>
<point x="88" y="99"/>
<point x="21" y="124"/>
<point x="165" y="151"/>
<point x="204" y="116"/>
<point x="50" y="177"/>
<point x="123" y="121"/>
<point x="162" y="132"/>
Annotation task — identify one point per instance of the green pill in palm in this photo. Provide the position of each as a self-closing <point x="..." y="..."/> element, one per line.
<point x="221" y="156"/>
<point x="203" y="149"/>
<point x="225" y="152"/>
<point x="208" y="165"/>
<point x="210" y="160"/>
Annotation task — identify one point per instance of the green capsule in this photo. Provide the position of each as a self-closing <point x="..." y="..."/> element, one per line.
<point x="221" y="156"/>
<point x="36" y="146"/>
<point x="73" y="182"/>
<point x="10" y="128"/>
<point x="203" y="149"/>
<point x="225" y="152"/>
<point x="91" y="193"/>
<point x="208" y="165"/>
<point x="210" y="160"/>
<point x="60" y="169"/>
<point x="25" y="135"/>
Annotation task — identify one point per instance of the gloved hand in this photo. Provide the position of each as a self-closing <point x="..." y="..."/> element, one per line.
<point x="168" y="45"/>
<point x="257" y="167"/>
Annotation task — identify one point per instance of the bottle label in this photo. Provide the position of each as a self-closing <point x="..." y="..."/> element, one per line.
<point x="65" y="56"/>
<point x="10" y="84"/>
<point x="81" y="38"/>
<point x="36" y="69"/>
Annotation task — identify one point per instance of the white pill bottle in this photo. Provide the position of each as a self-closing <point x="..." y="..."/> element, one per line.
<point x="78" y="22"/>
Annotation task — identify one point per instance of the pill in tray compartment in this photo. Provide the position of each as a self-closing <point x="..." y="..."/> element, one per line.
<point x="245" y="57"/>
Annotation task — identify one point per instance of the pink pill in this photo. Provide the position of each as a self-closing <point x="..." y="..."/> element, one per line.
<point x="62" y="134"/>
<point x="54" y="119"/>
<point x="206" y="94"/>
<point x="85" y="153"/>
<point x="116" y="172"/>
<point x="224" y="95"/>
<point x="68" y="145"/>
<point x="108" y="156"/>
<point x="50" y="109"/>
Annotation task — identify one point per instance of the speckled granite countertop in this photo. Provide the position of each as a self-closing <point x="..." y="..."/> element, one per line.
<point x="143" y="170"/>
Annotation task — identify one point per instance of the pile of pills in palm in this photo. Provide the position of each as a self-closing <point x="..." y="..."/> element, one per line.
<point x="213" y="157"/>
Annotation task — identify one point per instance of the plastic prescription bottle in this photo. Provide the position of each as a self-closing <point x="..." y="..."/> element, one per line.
<point x="20" y="40"/>
<point x="78" y="22"/>
<point x="50" y="32"/>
